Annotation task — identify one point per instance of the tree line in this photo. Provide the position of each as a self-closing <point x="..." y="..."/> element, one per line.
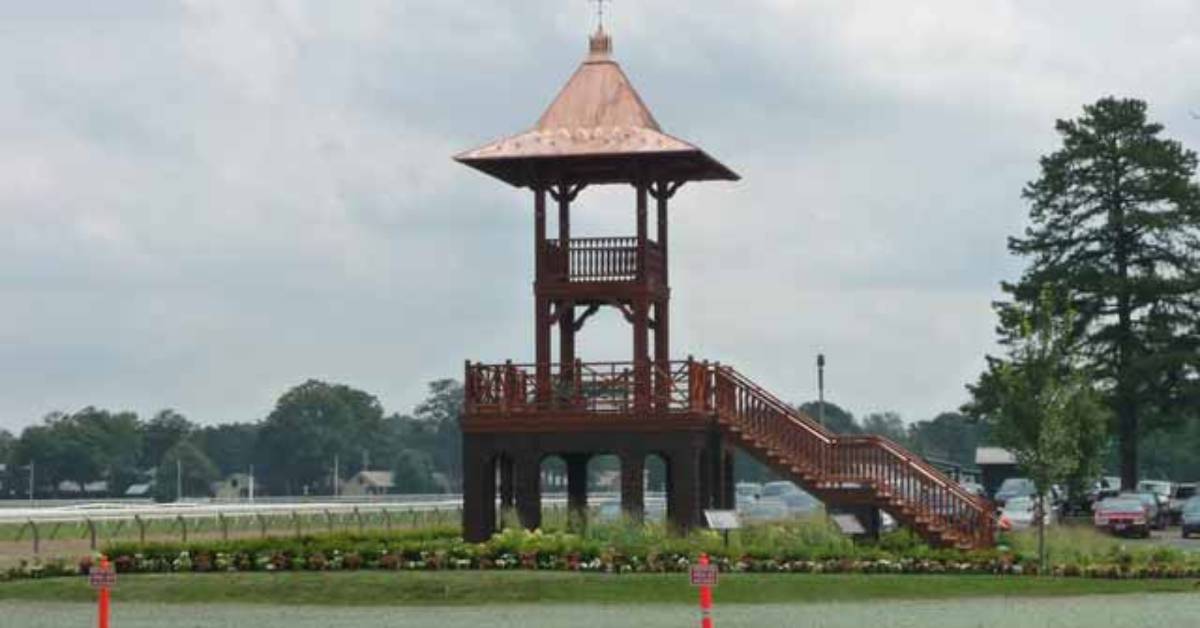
<point x="292" y="451"/>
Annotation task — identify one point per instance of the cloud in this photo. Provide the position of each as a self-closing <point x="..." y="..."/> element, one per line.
<point x="207" y="202"/>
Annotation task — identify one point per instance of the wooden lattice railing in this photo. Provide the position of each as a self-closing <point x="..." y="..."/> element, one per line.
<point x="600" y="259"/>
<point x="831" y="466"/>
<point x="584" y="387"/>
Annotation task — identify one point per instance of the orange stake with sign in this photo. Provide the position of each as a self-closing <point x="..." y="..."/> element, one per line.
<point x="102" y="579"/>
<point x="704" y="575"/>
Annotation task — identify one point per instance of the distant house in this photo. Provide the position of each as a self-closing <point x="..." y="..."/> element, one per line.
<point x="996" y="465"/>
<point x="67" y="487"/>
<point x="139" y="490"/>
<point x="368" y="483"/>
<point x="236" y="486"/>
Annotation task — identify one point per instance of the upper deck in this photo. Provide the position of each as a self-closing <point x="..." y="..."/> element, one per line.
<point x="605" y="260"/>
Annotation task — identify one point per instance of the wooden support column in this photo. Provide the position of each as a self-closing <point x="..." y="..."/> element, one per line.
<point x="529" y="489"/>
<point x="479" y="491"/>
<point x="641" y="311"/>
<point x="728" y="486"/>
<point x="541" y="316"/>
<point x="566" y="307"/>
<point x="663" y="196"/>
<point x="576" y="490"/>
<point x="662" y="354"/>
<point x="507" y="501"/>
<point x="713" y="478"/>
<point x="683" y="498"/>
<point x="633" y="499"/>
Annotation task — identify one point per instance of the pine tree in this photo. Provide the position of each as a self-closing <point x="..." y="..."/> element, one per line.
<point x="1115" y="222"/>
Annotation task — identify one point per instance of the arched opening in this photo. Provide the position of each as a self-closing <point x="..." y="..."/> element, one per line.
<point x="552" y="474"/>
<point x="503" y="471"/>
<point x="604" y="489"/>
<point x="657" y="481"/>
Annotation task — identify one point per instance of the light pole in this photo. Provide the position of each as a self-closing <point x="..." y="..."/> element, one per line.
<point x="821" y="388"/>
<point x="178" y="479"/>
<point x="31" y="483"/>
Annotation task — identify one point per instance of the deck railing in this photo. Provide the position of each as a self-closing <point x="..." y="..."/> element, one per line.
<point x="592" y="387"/>
<point x="931" y="502"/>
<point x="600" y="259"/>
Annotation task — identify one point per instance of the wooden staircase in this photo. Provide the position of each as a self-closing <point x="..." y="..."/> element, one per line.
<point x="843" y="470"/>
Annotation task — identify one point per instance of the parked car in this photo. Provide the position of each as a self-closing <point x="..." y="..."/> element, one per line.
<point x="775" y="490"/>
<point x="1020" y="513"/>
<point x="1162" y="490"/>
<point x="801" y="503"/>
<point x="974" y="488"/>
<point x="1180" y="496"/>
<point x="1014" y="487"/>
<point x="1107" y="486"/>
<point x="748" y="491"/>
<point x="1156" y="512"/>
<point x="1190" y="518"/>
<point x="1123" y="514"/>
<point x="766" y="509"/>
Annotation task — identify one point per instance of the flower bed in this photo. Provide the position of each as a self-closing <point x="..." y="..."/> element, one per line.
<point x="796" y="548"/>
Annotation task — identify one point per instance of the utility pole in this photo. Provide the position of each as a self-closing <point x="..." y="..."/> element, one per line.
<point x="251" y="484"/>
<point x="335" y="475"/>
<point x="178" y="479"/>
<point x="31" y="482"/>
<point x="821" y="388"/>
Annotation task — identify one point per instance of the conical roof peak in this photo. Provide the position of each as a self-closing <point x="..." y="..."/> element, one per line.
<point x="598" y="115"/>
<point x="598" y="96"/>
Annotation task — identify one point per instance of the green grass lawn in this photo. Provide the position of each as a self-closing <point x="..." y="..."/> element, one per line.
<point x="478" y="588"/>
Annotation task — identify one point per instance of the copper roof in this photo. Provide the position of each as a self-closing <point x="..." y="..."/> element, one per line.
<point x="598" y="130"/>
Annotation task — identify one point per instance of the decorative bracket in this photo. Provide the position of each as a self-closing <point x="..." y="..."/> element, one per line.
<point x="577" y="324"/>
<point x="663" y="190"/>
<point x="565" y="191"/>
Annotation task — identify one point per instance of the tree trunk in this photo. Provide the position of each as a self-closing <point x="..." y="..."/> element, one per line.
<point x="1126" y="402"/>
<point x="1127" y="435"/>
<point x="1041" y="524"/>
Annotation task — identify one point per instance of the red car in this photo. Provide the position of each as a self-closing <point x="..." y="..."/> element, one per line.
<point x="1122" y="515"/>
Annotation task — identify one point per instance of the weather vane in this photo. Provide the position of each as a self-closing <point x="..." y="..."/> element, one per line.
<point x="600" y="12"/>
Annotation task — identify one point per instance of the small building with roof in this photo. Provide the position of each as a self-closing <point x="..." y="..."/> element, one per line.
<point x="367" y="483"/>
<point x="996" y="464"/>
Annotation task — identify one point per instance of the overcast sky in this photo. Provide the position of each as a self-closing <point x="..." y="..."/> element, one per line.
<point x="204" y="203"/>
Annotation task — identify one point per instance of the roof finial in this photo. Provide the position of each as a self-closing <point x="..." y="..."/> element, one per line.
<point x="599" y="14"/>
<point x="600" y="48"/>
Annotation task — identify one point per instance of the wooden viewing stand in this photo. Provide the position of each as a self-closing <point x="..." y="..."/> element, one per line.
<point x="691" y="413"/>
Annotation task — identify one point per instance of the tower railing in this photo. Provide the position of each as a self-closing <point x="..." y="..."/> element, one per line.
<point x="600" y="259"/>
<point x="590" y="388"/>
<point x="788" y="439"/>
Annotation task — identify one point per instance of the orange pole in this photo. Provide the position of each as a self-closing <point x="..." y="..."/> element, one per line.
<point x="104" y="601"/>
<point x="706" y="620"/>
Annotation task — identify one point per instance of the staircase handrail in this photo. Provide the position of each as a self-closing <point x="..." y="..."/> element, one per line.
<point x="918" y="464"/>
<point x="814" y="428"/>
<point x="911" y="463"/>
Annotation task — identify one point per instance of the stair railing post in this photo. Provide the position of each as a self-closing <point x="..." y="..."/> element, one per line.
<point x="506" y="387"/>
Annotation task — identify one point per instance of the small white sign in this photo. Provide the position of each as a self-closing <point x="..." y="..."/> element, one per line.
<point x="849" y="525"/>
<point x="722" y="519"/>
